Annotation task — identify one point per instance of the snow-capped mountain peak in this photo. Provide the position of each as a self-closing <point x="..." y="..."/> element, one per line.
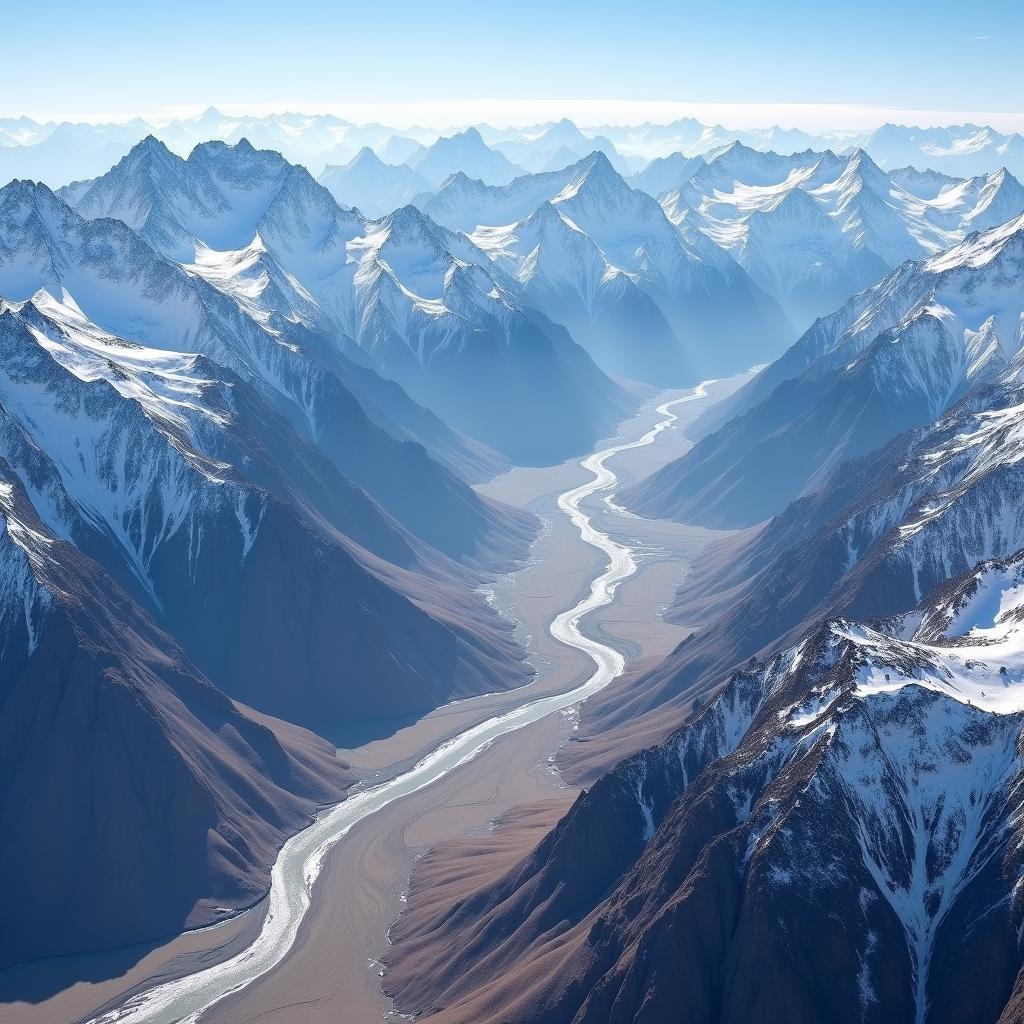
<point x="366" y="159"/>
<point x="979" y="248"/>
<point x="561" y="133"/>
<point x="595" y="179"/>
<point x="465" y="151"/>
<point x="412" y="249"/>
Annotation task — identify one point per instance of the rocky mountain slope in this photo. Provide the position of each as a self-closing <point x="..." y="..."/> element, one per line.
<point x="815" y="843"/>
<point x="233" y="531"/>
<point x="875" y="536"/>
<point x="895" y="356"/>
<point x="169" y="800"/>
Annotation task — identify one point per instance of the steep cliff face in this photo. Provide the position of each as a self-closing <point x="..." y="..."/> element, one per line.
<point x="131" y="788"/>
<point x="878" y="533"/>
<point x="834" y="836"/>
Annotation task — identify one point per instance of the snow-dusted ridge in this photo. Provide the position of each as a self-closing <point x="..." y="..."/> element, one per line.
<point x="123" y="430"/>
<point x="917" y="720"/>
<point x="814" y="227"/>
<point x="825" y="830"/>
<point x="896" y="356"/>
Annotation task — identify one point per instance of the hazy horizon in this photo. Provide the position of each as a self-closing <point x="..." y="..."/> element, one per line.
<point x="445" y="115"/>
<point x="961" y="65"/>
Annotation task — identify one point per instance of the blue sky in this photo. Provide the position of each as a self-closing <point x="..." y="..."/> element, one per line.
<point x="118" y="58"/>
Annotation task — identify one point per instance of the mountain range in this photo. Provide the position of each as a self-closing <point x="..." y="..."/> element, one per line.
<point x="813" y="228"/>
<point x="809" y="226"/>
<point x="421" y="305"/>
<point x="243" y="415"/>
<point x="59" y="152"/>
<point x="191" y="485"/>
<point x="820" y="819"/>
<point x="603" y="259"/>
<point x="810" y="229"/>
<point x="895" y="356"/>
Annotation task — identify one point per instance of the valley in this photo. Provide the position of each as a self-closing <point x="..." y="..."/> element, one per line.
<point x="429" y="793"/>
<point x="533" y="561"/>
